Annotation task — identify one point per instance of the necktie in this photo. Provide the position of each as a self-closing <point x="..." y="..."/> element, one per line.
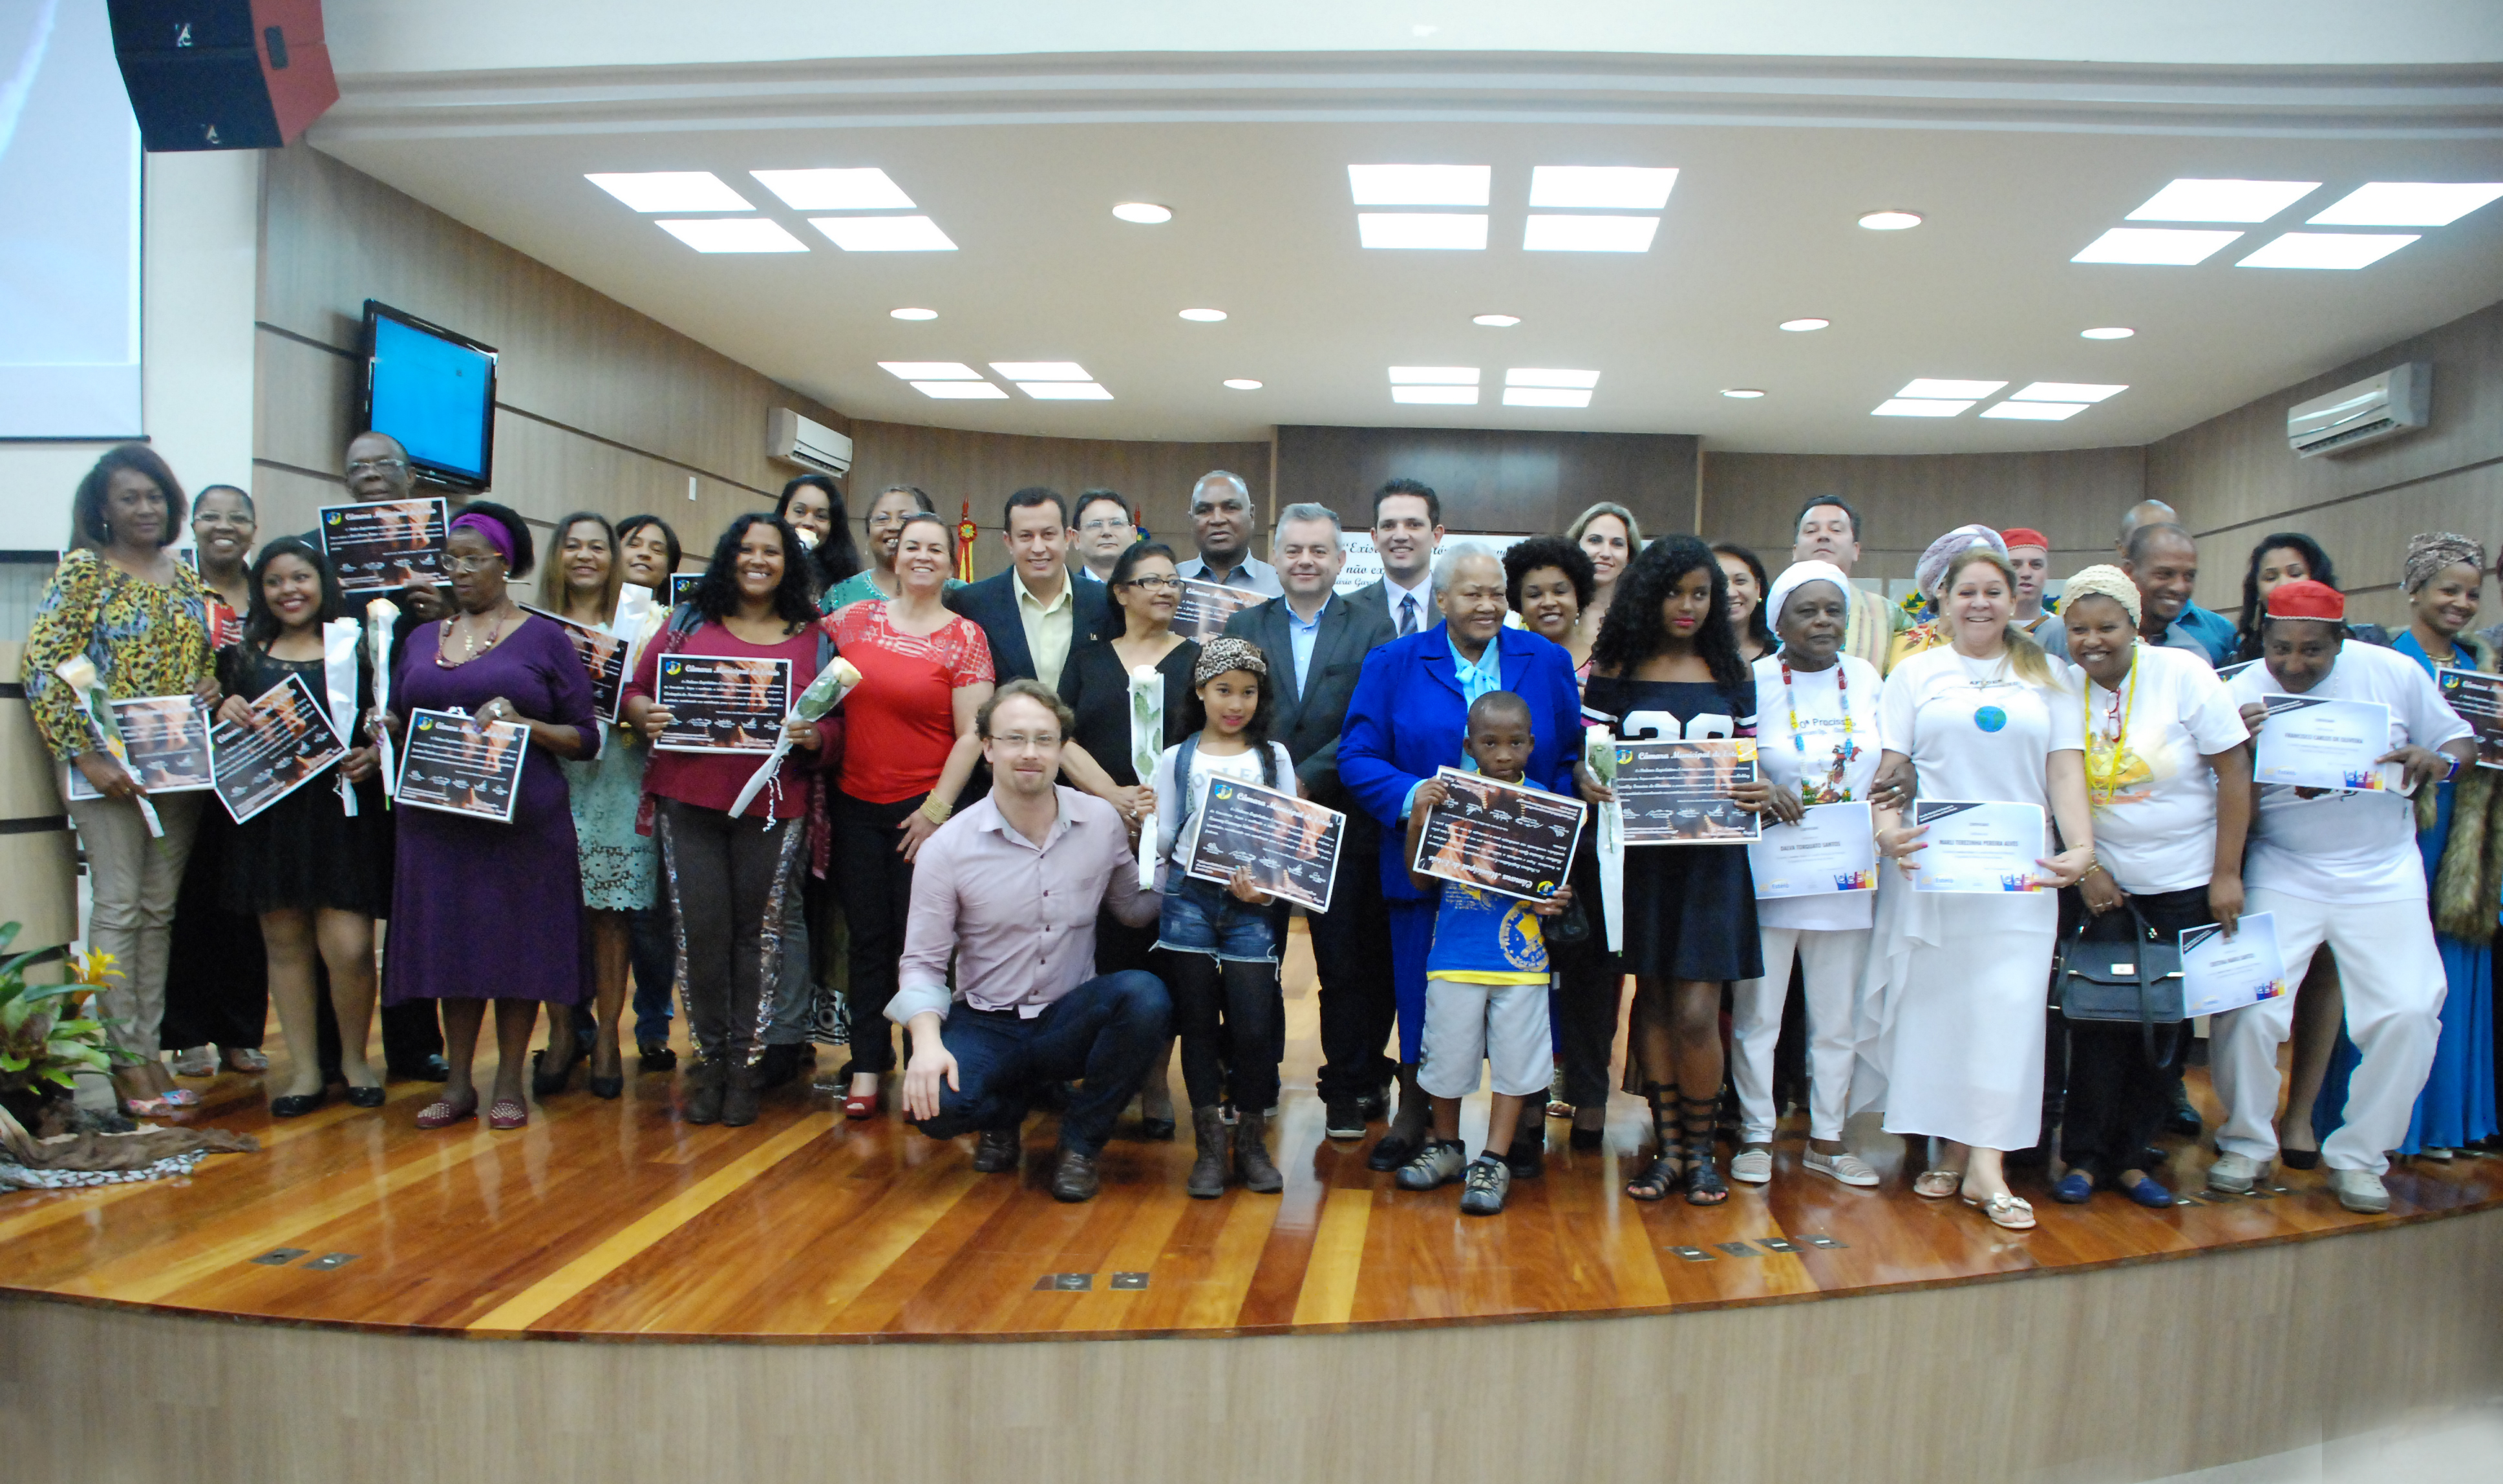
<point x="1408" y="615"/>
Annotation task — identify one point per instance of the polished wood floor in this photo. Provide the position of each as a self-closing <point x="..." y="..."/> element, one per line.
<point x="615" y="1220"/>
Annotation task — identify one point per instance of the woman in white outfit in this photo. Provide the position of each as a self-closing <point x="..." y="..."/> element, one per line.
<point x="1816" y="743"/>
<point x="1983" y="718"/>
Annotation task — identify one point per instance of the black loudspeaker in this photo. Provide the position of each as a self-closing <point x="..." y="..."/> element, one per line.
<point x="223" y="74"/>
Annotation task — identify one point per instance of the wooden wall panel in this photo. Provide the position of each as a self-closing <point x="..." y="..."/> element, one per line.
<point x="1491" y="480"/>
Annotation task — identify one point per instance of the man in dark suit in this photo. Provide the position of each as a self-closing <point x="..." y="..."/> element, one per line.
<point x="1407" y="526"/>
<point x="1034" y="612"/>
<point x="1317" y="641"/>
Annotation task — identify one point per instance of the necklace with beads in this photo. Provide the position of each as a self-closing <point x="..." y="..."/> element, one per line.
<point x="1844" y="751"/>
<point x="2108" y="759"/>
<point x="471" y="649"/>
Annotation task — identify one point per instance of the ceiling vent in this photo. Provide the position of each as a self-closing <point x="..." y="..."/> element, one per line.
<point x="795" y="440"/>
<point x="2378" y="407"/>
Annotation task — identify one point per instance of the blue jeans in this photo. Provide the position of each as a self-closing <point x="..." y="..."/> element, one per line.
<point x="655" y="957"/>
<point x="1107" y="1031"/>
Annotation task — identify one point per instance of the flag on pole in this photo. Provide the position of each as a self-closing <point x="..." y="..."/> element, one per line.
<point x="966" y="533"/>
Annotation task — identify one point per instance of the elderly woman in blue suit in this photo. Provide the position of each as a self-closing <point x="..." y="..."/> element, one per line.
<point x="1407" y="718"/>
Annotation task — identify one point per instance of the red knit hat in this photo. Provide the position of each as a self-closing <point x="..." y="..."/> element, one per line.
<point x="2304" y="598"/>
<point x="2024" y="535"/>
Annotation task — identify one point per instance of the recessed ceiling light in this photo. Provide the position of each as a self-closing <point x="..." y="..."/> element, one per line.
<point x="1589" y="234"/>
<point x="1741" y="393"/>
<point x="2064" y="392"/>
<point x="2222" y="200"/>
<point x="1549" y="376"/>
<point x="835" y="191"/>
<point x="2107" y="333"/>
<point x="672" y="190"/>
<point x="960" y="392"/>
<point x="1453" y="396"/>
<point x="1496" y="321"/>
<point x="2327" y="249"/>
<point x="1446" y="231"/>
<point x="913" y="313"/>
<point x="1601" y="188"/>
<point x="1930" y="386"/>
<point x="1433" y="376"/>
<point x="1545" y="397"/>
<point x="884" y="234"/>
<point x="1065" y="391"/>
<point x="931" y="370"/>
<point x="1420" y="185"/>
<point x="1806" y="324"/>
<point x="1242" y="384"/>
<point x="732" y="234"/>
<point x="1041" y="370"/>
<point x="1917" y="407"/>
<point x="1891" y="222"/>
<point x="1203" y="315"/>
<point x="2035" y="412"/>
<point x="2156" y="246"/>
<point x="1144" y="213"/>
<point x="2408" y="203"/>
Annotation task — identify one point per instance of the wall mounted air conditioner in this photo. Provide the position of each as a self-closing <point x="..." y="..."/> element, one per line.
<point x="2373" y="408"/>
<point x="794" y="439"/>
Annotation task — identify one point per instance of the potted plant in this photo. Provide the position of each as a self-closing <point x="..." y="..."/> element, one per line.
<point x="45" y="1040"/>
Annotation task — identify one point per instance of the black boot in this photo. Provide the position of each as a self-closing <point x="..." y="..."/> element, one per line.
<point x="705" y="1091"/>
<point x="738" y="1094"/>
<point x="1252" y="1163"/>
<point x="1407" y="1133"/>
<point x="1207" y="1179"/>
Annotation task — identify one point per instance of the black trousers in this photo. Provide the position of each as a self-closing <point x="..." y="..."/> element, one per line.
<point x="217" y="977"/>
<point x="729" y="880"/>
<point x="2118" y="1101"/>
<point x="655" y="957"/>
<point x="1590" y="991"/>
<point x="1232" y="1019"/>
<point x="1352" y="953"/>
<point x="876" y="886"/>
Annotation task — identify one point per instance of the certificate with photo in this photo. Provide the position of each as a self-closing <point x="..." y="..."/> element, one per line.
<point x="1678" y="792"/>
<point x="721" y="704"/>
<point x="1502" y="837"/>
<point x="1289" y="845"/>
<point x="1833" y="848"/>
<point x="165" y="745"/>
<point x="460" y="764"/>
<point x="1978" y="847"/>
<point x="381" y="546"/>
<point x="603" y="654"/>
<point x="288" y="742"/>
<point x="2478" y="698"/>
<point x="1205" y="606"/>
<point x="2219" y="973"/>
<point x="2312" y="742"/>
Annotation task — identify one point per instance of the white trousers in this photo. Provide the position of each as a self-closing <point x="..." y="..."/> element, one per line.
<point x="1830" y="962"/>
<point x="2394" y="988"/>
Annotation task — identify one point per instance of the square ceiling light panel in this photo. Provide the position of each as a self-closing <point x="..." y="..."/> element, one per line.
<point x="1930" y="387"/>
<point x="2222" y="200"/>
<point x="1589" y="234"/>
<point x="1600" y="188"/>
<point x="1545" y="397"/>
<point x="1433" y="376"/>
<point x="865" y="190"/>
<point x="1065" y="391"/>
<point x="1041" y="370"/>
<point x="672" y="190"/>
<point x="2327" y="249"/>
<point x="960" y="392"/>
<point x="931" y="370"/>
<point x="2408" y="203"/>
<point x="732" y="234"/>
<point x="2064" y="392"/>
<point x="1420" y="185"/>
<point x="1443" y="396"/>
<point x="2157" y="246"/>
<point x="884" y="234"/>
<point x="1917" y="407"/>
<point x="2037" y="412"/>
<point x="1438" y="231"/>
<point x="1550" y="376"/>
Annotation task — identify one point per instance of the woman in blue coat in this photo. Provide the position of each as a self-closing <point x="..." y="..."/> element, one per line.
<point x="1407" y="718"/>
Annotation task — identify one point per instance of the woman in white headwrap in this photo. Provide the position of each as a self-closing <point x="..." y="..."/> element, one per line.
<point x="1928" y="573"/>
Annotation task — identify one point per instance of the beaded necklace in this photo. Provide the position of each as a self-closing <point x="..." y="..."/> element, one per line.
<point x="2104" y="763"/>
<point x="1790" y="698"/>
<point x="475" y="649"/>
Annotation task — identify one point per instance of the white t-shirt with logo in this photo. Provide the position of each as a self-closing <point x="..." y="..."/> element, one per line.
<point x="2155" y="828"/>
<point x="1975" y="730"/>
<point x="2348" y="847"/>
<point x="1818" y="762"/>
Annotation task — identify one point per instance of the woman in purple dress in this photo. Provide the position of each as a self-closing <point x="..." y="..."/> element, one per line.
<point x="482" y="910"/>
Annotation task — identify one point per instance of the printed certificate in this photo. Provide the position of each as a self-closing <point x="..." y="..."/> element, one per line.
<point x="1678" y="792"/>
<point x="379" y="547"/>
<point x="165" y="746"/>
<point x="1205" y="607"/>
<point x="1833" y="848"/>
<point x="2223" y="973"/>
<point x="2312" y="742"/>
<point x="2478" y="698"/>
<point x="603" y="654"/>
<point x="1289" y="845"/>
<point x="720" y="704"/>
<point x="287" y="743"/>
<point x="1977" y="847"/>
<point x="1502" y="837"/>
<point x="682" y="587"/>
<point x="460" y="764"/>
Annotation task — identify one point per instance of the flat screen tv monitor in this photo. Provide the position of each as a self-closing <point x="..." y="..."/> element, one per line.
<point x="434" y="390"/>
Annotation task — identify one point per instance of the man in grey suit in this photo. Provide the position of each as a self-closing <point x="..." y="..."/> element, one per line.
<point x="1407" y="526"/>
<point x="1317" y="641"/>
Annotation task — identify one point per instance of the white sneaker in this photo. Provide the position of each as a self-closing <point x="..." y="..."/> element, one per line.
<point x="2360" y="1190"/>
<point x="1845" y="1166"/>
<point x="2235" y="1173"/>
<point x="1752" y="1167"/>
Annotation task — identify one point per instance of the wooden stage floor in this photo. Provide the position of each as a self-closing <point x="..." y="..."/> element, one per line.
<point x="616" y="1221"/>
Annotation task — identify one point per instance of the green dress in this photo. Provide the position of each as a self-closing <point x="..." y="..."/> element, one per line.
<point x="620" y="869"/>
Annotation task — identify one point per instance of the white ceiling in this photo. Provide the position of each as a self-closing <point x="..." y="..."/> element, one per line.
<point x="2015" y="169"/>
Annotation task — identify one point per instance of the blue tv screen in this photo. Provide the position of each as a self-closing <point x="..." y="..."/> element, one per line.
<point x="434" y="390"/>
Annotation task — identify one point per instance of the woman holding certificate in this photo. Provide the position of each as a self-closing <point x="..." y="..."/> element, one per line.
<point x="2168" y="778"/>
<point x="1982" y="719"/>
<point x="484" y="908"/>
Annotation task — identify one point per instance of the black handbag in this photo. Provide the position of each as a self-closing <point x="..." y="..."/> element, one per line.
<point x="2117" y="971"/>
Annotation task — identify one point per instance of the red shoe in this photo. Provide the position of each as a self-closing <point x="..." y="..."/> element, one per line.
<point x="858" y="1106"/>
<point x="508" y="1113"/>
<point x="443" y="1113"/>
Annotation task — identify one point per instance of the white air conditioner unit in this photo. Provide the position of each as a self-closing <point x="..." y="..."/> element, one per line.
<point x="2375" y="408"/>
<point x="794" y="439"/>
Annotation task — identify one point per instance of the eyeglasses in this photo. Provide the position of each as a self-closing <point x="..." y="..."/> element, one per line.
<point x="375" y="465"/>
<point x="1107" y="524"/>
<point x="1153" y="583"/>
<point x="1020" y="741"/>
<point x="468" y="564"/>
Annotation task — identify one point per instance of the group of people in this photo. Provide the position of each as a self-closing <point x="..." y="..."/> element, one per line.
<point x="953" y="852"/>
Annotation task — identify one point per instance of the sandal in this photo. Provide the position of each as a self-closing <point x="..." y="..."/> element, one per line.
<point x="443" y="1113"/>
<point x="508" y="1113"/>
<point x="180" y="1097"/>
<point x="1703" y="1184"/>
<point x="864" y="1106"/>
<point x="1657" y="1180"/>
<point x="147" y="1107"/>
<point x="1939" y="1184"/>
<point x="2005" y="1210"/>
<point x="1668" y="1161"/>
<point x="249" y="1061"/>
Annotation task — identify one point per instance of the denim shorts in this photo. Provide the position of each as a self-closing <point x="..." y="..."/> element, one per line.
<point x="1200" y="917"/>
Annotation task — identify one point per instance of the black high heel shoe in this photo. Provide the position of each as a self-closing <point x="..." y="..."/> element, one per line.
<point x="545" y="1083"/>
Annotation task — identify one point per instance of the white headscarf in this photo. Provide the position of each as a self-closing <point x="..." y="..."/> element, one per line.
<point x="1943" y="552"/>
<point x="1797" y="575"/>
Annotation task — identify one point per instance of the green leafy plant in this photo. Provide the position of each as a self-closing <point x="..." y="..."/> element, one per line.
<point x="45" y="1038"/>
